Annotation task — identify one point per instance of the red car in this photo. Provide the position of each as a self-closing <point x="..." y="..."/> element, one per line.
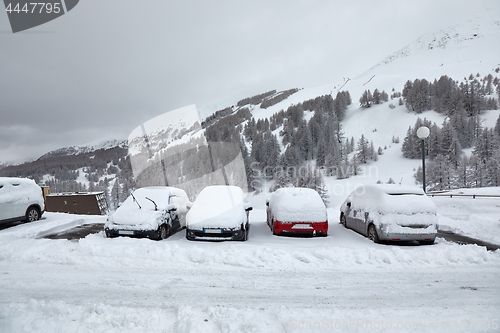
<point x="299" y="211"/>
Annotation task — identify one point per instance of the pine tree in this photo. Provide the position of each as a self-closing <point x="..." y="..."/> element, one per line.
<point x="363" y="150"/>
<point x="321" y="152"/>
<point x="438" y="173"/>
<point x="497" y="128"/>
<point x="450" y="146"/>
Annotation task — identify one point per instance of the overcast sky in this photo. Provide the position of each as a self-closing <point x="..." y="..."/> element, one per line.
<point x="107" y="66"/>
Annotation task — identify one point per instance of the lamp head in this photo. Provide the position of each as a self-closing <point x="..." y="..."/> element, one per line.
<point x="423" y="132"/>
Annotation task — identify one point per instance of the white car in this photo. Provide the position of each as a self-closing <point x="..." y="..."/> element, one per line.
<point x="391" y="213"/>
<point x="21" y="199"/>
<point x="219" y="213"/>
<point x="154" y="212"/>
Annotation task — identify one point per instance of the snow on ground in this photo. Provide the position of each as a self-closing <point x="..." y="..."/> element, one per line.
<point x="476" y="218"/>
<point x="342" y="282"/>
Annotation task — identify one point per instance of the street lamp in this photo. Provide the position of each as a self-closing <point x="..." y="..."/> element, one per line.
<point x="423" y="133"/>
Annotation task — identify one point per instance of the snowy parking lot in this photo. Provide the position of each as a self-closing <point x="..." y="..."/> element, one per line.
<point x="339" y="283"/>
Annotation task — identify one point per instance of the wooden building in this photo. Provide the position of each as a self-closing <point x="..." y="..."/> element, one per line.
<point x="85" y="203"/>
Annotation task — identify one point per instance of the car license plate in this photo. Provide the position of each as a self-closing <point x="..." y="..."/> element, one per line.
<point x="302" y="226"/>
<point x="126" y="232"/>
<point x="212" y="231"/>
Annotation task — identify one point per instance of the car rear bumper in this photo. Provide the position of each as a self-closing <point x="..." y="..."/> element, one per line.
<point x="406" y="237"/>
<point x="209" y="235"/>
<point x="301" y="228"/>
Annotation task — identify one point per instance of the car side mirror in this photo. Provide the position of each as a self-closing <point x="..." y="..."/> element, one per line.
<point x="349" y="204"/>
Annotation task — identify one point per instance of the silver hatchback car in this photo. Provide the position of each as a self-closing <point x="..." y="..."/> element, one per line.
<point x="391" y="213"/>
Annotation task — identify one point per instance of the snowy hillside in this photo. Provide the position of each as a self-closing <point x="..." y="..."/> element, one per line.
<point x="85" y="148"/>
<point x="456" y="51"/>
<point x="459" y="52"/>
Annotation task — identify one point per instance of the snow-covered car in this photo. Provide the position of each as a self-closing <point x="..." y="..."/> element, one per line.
<point x="219" y="213"/>
<point x="297" y="210"/>
<point x="155" y="212"/>
<point x="21" y="199"/>
<point x="391" y="213"/>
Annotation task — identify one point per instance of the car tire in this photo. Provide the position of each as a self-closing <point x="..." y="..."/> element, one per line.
<point x="272" y="228"/>
<point x="163" y="232"/>
<point x="245" y="233"/>
<point x="343" y="220"/>
<point x="372" y="234"/>
<point x="32" y="214"/>
<point x="187" y="235"/>
<point x="427" y="242"/>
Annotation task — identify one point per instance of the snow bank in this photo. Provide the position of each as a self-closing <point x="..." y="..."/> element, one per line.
<point x="292" y="204"/>
<point x="218" y="206"/>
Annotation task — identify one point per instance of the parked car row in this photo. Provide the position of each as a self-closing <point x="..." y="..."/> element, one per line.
<point x="379" y="212"/>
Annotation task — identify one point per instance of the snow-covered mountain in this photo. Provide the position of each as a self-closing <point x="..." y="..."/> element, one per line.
<point x="85" y="148"/>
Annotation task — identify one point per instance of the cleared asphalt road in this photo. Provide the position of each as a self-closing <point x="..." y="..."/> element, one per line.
<point x="84" y="230"/>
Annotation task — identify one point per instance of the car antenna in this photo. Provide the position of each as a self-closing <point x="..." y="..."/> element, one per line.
<point x="135" y="200"/>
<point x="156" y="207"/>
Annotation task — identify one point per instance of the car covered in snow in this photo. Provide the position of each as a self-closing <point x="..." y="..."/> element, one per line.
<point x="154" y="212"/>
<point x="391" y="213"/>
<point x="299" y="211"/>
<point x="21" y="199"/>
<point x="219" y="213"/>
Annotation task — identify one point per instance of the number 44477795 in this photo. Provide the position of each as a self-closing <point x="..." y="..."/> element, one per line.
<point x="35" y="8"/>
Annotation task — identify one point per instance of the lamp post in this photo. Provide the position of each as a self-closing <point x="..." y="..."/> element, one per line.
<point x="423" y="133"/>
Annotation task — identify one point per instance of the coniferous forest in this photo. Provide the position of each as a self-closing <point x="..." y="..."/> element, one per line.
<point x="302" y="144"/>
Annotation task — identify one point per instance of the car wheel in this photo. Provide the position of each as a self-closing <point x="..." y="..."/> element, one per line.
<point x="427" y="242"/>
<point x="372" y="234"/>
<point x="272" y="228"/>
<point x="188" y="237"/>
<point x="163" y="232"/>
<point x="32" y="214"/>
<point x="245" y="233"/>
<point x="343" y="220"/>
